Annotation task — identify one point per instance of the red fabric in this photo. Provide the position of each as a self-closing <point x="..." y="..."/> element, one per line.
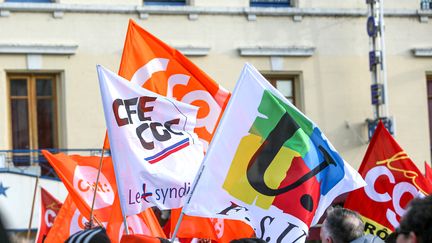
<point x="428" y="172"/>
<point x="50" y="208"/>
<point x="394" y="174"/>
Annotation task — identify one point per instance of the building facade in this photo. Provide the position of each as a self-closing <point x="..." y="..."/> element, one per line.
<point x="315" y="52"/>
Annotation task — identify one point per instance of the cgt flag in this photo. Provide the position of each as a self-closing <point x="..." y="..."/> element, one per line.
<point x="392" y="181"/>
<point x="155" y="151"/>
<point x="269" y="165"/>
<point x="50" y="207"/>
<point x="79" y="174"/>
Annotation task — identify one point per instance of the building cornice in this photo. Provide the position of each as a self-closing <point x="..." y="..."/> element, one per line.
<point x="277" y="51"/>
<point x="188" y="10"/>
<point x="422" y="52"/>
<point x="50" y="49"/>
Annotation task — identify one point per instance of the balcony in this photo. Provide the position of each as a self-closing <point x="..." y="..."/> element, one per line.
<point x="32" y="162"/>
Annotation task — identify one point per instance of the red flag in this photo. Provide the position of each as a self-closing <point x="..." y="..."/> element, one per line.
<point x="50" y="207"/>
<point x="392" y="181"/>
<point x="68" y="221"/>
<point x="78" y="174"/>
<point x="428" y="172"/>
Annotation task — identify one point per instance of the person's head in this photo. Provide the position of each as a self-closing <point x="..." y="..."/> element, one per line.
<point x="341" y="225"/>
<point x="94" y="235"/>
<point x="416" y="224"/>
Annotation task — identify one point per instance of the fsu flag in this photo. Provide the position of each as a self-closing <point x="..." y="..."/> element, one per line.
<point x="392" y="181"/>
<point x="269" y="165"/>
<point x="154" y="148"/>
<point x="152" y="64"/>
<point x="78" y="174"/>
<point x="50" y="207"/>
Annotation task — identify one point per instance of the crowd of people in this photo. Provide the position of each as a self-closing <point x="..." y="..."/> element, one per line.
<point x="341" y="225"/>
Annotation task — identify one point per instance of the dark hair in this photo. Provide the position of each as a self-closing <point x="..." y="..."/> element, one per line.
<point x="343" y="225"/>
<point x="418" y="219"/>
<point x="248" y="240"/>
<point x="94" y="235"/>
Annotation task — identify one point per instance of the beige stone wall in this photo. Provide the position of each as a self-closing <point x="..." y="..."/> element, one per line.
<point x="335" y="79"/>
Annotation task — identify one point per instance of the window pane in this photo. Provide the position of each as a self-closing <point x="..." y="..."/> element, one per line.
<point x="20" y="127"/>
<point x="29" y="1"/>
<point x="285" y="87"/>
<point x="270" y="3"/>
<point x="18" y="87"/>
<point x="165" y="2"/>
<point x="43" y="87"/>
<point x="45" y="123"/>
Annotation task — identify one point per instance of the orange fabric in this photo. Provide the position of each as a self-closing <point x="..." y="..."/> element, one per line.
<point x="139" y="239"/>
<point x="78" y="174"/>
<point x="50" y="208"/>
<point x="141" y="47"/>
<point x="60" y="231"/>
<point x="215" y="229"/>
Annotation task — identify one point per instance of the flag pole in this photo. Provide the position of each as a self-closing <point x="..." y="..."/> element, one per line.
<point x="177" y="227"/>
<point x="32" y="208"/>
<point x="90" y="223"/>
<point x="215" y="138"/>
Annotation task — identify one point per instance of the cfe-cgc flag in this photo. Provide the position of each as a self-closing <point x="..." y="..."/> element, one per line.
<point x="155" y="151"/>
<point x="269" y="165"/>
<point x="392" y="181"/>
<point x="154" y="65"/>
<point x="50" y="207"/>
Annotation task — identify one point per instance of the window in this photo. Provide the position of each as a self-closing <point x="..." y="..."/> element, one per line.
<point x="429" y="95"/>
<point x="270" y="3"/>
<point x="165" y="2"/>
<point x="288" y="85"/>
<point x="33" y="114"/>
<point x="29" y="1"/>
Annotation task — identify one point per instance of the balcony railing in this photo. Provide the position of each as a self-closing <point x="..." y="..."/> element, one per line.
<point x="32" y="162"/>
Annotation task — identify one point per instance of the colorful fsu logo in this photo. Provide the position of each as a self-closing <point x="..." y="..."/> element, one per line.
<point x="284" y="162"/>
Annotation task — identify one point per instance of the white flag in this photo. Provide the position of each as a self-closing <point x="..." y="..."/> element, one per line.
<point x="155" y="152"/>
<point x="269" y="165"/>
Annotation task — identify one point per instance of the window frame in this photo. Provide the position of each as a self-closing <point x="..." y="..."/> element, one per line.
<point x="32" y="98"/>
<point x="165" y="3"/>
<point x="270" y="4"/>
<point x="296" y="77"/>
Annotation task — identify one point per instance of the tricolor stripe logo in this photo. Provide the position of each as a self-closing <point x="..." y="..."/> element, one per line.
<point x="167" y="151"/>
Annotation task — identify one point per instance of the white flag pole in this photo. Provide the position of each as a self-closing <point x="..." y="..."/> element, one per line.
<point x="215" y="138"/>
<point x="122" y="207"/>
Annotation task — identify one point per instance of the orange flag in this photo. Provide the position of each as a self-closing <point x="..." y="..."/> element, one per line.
<point x="215" y="229"/>
<point x="152" y="64"/>
<point x="78" y="174"/>
<point x="50" y="207"/>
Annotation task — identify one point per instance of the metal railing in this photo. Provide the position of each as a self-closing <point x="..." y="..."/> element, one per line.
<point x="32" y="161"/>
